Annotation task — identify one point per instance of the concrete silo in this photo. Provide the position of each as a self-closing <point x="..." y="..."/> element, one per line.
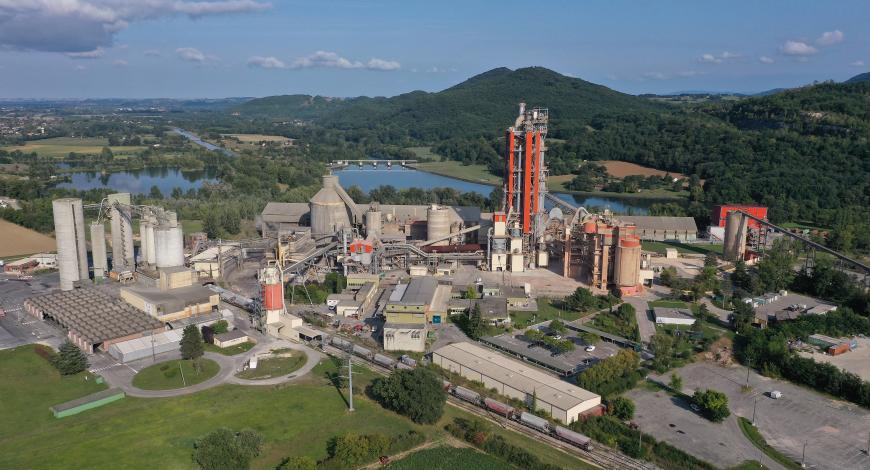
<point x="438" y="224"/>
<point x="150" y="241"/>
<point x="169" y="243"/>
<point x="143" y="244"/>
<point x="72" y="249"/>
<point x="122" y="231"/>
<point x="373" y="223"/>
<point x="329" y="211"/>
<point x="98" y="250"/>
<point x="627" y="272"/>
<point x="735" y="236"/>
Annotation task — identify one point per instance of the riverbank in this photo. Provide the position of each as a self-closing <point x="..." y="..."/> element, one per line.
<point x="480" y="175"/>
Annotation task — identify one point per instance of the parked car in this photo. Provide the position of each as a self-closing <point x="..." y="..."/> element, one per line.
<point x="775" y="394"/>
<point x="590" y="348"/>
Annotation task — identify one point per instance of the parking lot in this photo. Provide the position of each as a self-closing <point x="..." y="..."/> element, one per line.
<point x="516" y="344"/>
<point x="836" y="432"/>
<point x="16" y="327"/>
<point x="856" y="362"/>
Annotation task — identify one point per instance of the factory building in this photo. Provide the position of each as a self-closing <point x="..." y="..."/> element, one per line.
<point x="605" y="253"/>
<point x="647" y="227"/>
<point x="282" y="218"/>
<point x="563" y="401"/>
<point x="175" y="297"/>
<point x="407" y="313"/>
<point x="215" y="261"/>
<point x="719" y="229"/>
<point x="673" y="316"/>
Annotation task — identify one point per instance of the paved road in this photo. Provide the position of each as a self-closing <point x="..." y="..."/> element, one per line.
<point x="722" y="314"/>
<point x="645" y="325"/>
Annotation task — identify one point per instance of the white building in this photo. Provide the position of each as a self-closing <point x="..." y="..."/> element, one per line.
<point x="673" y="316"/>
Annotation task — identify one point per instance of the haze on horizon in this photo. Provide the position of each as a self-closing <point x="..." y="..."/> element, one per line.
<point x="222" y="48"/>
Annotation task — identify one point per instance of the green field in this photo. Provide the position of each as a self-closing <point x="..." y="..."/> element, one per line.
<point x="232" y="350"/>
<point x="295" y="420"/>
<point x="274" y="367"/>
<point x="168" y="375"/>
<point x="668" y="303"/>
<point x="683" y="248"/>
<point x="61" y="147"/>
<point x="448" y="458"/>
<point x="473" y="173"/>
<point x="425" y="153"/>
<point x="546" y="311"/>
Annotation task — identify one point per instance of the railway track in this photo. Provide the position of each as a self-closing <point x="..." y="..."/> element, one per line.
<point x="600" y="455"/>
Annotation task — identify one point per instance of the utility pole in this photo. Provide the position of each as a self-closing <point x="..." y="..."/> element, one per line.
<point x="748" y="369"/>
<point x="753" y="410"/>
<point x="349" y="383"/>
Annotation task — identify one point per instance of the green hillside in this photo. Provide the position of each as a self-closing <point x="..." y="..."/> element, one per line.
<point x="863" y="77"/>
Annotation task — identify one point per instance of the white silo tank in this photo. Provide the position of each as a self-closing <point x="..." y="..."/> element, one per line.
<point x="437" y="224"/>
<point x="373" y="223"/>
<point x="69" y="229"/>
<point x="98" y="250"/>
<point x="169" y="243"/>
<point x="150" y="240"/>
<point x="143" y="244"/>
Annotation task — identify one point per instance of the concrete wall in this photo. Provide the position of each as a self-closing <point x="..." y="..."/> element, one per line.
<point x="401" y="339"/>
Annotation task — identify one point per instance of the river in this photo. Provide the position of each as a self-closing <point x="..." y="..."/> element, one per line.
<point x="141" y="181"/>
<point x="368" y="178"/>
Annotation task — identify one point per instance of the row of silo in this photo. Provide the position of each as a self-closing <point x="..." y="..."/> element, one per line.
<point x="121" y="217"/>
<point x="161" y="239"/>
<point x="72" y="250"/>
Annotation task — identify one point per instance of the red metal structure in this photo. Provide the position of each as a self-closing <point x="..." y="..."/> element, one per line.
<point x="527" y="185"/>
<point x="720" y="213"/>
<point x="537" y="177"/>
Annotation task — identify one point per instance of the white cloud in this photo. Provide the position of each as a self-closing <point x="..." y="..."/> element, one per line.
<point x="120" y="63"/>
<point x="152" y="53"/>
<point x="266" y="62"/>
<point x="798" y="48"/>
<point x="829" y="38"/>
<point x="857" y="63"/>
<point x="85" y="25"/>
<point x="718" y="59"/>
<point x="191" y="54"/>
<point x="381" y="64"/>
<point x="765" y="59"/>
<point x="94" y="54"/>
<point x="326" y="59"/>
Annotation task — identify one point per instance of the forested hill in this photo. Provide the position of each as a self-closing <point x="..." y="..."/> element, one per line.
<point x="863" y="77"/>
<point x="483" y="105"/>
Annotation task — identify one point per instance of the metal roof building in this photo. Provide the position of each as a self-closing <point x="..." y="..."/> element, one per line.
<point x="564" y="401"/>
<point x="661" y="228"/>
<point x="139" y="348"/>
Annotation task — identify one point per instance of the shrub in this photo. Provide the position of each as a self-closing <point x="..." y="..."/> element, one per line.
<point x="417" y="394"/>
<point x="621" y="407"/>
<point x="224" y="449"/>
<point x="713" y="404"/>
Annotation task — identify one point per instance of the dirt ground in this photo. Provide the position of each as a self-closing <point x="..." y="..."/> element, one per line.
<point x="623" y="169"/>
<point x="856" y="362"/>
<point x="16" y="240"/>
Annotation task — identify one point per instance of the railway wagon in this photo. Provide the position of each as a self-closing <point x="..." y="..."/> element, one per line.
<point x="362" y="352"/>
<point x="467" y="395"/>
<point x="340" y="343"/>
<point x="403" y="366"/>
<point x="385" y="361"/>
<point x="572" y="437"/>
<point x="408" y="360"/>
<point x="446" y="385"/>
<point x="498" y="407"/>
<point x="535" y="422"/>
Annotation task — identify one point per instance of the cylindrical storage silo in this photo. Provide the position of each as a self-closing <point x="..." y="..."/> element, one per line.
<point x="627" y="262"/>
<point x="69" y="230"/>
<point x="151" y="242"/>
<point x="143" y="243"/>
<point x="98" y="250"/>
<point x="171" y="219"/>
<point x="118" y="263"/>
<point x="373" y="224"/>
<point x="438" y="224"/>
<point x="169" y="243"/>
<point x="328" y="211"/>
<point x="272" y="289"/>
<point x="735" y="236"/>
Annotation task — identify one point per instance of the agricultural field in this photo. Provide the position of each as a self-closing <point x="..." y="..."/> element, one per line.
<point x="59" y="147"/>
<point x="144" y="433"/>
<point x="620" y="169"/>
<point x="17" y="241"/>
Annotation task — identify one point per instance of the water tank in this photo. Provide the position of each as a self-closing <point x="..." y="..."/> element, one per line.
<point x="735" y="236"/>
<point x="72" y="249"/>
<point x="328" y="211"/>
<point x="438" y="224"/>
<point x="169" y="243"/>
<point x="627" y="272"/>
<point x="143" y="244"/>
<point x="373" y="223"/>
<point x="272" y="288"/>
<point x="98" y="250"/>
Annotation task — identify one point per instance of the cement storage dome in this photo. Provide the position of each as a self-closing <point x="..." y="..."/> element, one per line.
<point x="329" y="212"/>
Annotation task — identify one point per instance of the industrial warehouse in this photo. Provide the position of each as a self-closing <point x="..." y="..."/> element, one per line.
<point x="514" y="379"/>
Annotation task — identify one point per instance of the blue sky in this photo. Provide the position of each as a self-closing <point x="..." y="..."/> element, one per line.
<point x="219" y="48"/>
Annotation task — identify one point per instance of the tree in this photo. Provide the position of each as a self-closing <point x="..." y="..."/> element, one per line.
<point x="557" y="325"/>
<point x="668" y="276"/>
<point x="220" y="326"/>
<point x="711" y="260"/>
<point x="223" y="449"/>
<point x="191" y="343"/>
<point x="470" y="292"/>
<point x="177" y="193"/>
<point x="106" y="154"/>
<point x="662" y="345"/>
<point x="626" y="312"/>
<point x="231" y="220"/>
<point x="155" y="193"/>
<point x="417" y="394"/>
<point x="776" y="268"/>
<point x="70" y="359"/>
<point x="713" y="404"/>
<point x="475" y="326"/>
<point x="621" y="407"/>
<point x="676" y="382"/>
<point x="211" y="224"/>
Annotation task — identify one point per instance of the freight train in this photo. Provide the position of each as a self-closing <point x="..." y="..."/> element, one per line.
<point x="405" y="362"/>
<point x="535" y="422"/>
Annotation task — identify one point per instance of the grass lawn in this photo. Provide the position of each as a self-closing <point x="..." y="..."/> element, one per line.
<point x="685" y="248"/>
<point x="474" y="173"/>
<point x="425" y="152"/>
<point x="294" y="420"/>
<point x="232" y="350"/>
<point x="167" y="375"/>
<point x="751" y="433"/>
<point x="546" y="311"/>
<point x="748" y="465"/>
<point x="448" y="458"/>
<point x="274" y="367"/>
<point x="669" y="303"/>
<point x="62" y="146"/>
